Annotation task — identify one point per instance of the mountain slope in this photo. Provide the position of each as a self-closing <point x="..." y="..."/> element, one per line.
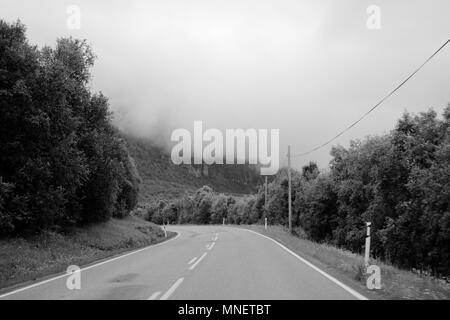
<point x="161" y="179"/>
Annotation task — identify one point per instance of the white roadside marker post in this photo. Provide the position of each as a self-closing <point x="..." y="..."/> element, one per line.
<point x="165" y="231"/>
<point x="223" y="221"/>
<point x="265" y="223"/>
<point x="373" y="281"/>
<point x="367" y="249"/>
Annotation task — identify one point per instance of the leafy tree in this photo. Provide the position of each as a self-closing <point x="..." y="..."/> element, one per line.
<point x="202" y="205"/>
<point x="219" y="209"/>
<point x="316" y="203"/>
<point x="311" y="171"/>
<point x="61" y="158"/>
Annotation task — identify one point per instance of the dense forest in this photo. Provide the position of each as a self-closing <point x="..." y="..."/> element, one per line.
<point x="399" y="181"/>
<point x="62" y="163"/>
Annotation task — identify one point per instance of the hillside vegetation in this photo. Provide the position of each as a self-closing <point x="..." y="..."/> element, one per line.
<point x="163" y="180"/>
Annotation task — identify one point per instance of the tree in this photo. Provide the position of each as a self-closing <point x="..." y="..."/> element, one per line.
<point x="311" y="171"/>
<point x="202" y="205"/>
<point x="219" y="209"/>
<point x="60" y="156"/>
<point x="316" y="203"/>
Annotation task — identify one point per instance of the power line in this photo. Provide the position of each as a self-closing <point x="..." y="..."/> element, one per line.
<point x="375" y="106"/>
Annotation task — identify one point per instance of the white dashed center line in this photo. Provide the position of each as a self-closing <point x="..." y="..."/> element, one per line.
<point x="192" y="261"/>
<point x="154" y="296"/>
<point x="172" y="289"/>
<point x="198" y="261"/>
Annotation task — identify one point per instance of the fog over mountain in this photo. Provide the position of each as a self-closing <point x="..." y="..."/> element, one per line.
<point x="308" y="68"/>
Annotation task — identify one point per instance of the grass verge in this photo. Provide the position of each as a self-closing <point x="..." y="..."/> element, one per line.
<point x="23" y="260"/>
<point x="348" y="268"/>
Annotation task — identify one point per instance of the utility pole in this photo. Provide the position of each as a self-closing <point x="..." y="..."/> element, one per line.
<point x="265" y="204"/>
<point x="289" y="189"/>
<point x="265" y="193"/>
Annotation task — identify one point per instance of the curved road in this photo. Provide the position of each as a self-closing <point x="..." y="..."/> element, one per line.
<point x="202" y="262"/>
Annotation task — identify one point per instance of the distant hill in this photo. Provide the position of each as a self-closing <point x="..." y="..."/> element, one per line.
<point x="161" y="179"/>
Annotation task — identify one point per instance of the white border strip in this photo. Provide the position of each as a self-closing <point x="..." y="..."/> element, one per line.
<point x="340" y="284"/>
<point x="89" y="267"/>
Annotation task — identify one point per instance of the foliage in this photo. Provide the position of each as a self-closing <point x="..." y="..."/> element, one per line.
<point x="61" y="161"/>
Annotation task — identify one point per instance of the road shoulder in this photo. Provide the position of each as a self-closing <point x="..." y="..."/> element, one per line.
<point x="24" y="262"/>
<point x="348" y="268"/>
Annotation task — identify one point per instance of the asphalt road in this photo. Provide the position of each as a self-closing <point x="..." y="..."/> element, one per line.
<point x="202" y="262"/>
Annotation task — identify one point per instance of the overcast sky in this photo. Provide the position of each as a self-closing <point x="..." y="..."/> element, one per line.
<point x="308" y="68"/>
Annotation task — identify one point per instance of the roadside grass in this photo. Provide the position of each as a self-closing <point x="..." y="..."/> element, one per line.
<point x="23" y="260"/>
<point x="348" y="267"/>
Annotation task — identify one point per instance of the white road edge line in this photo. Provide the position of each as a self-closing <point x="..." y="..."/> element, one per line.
<point x="198" y="261"/>
<point x="211" y="246"/>
<point x="172" y="289"/>
<point x="154" y="296"/>
<point x="89" y="267"/>
<point x="340" y="284"/>
<point x="192" y="260"/>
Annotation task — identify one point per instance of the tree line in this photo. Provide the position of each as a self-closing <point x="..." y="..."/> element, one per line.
<point x="62" y="163"/>
<point x="398" y="181"/>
